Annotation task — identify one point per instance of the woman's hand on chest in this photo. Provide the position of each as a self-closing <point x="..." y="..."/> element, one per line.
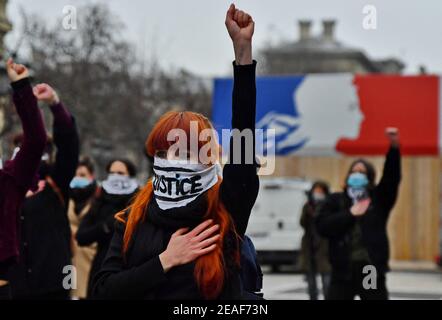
<point x="360" y="208"/>
<point x="185" y="247"/>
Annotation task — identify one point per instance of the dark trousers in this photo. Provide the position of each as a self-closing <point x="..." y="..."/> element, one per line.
<point x="313" y="287"/>
<point x="348" y="289"/>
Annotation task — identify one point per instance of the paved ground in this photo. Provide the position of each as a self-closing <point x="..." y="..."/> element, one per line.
<point x="402" y="285"/>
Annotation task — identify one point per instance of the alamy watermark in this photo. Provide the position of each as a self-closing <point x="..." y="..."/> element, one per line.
<point x="202" y="146"/>
<point x="69" y="21"/>
<point x="70" y="280"/>
<point x="370" y="19"/>
<point x="370" y="280"/>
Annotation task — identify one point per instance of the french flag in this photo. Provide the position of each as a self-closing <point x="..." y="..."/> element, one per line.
<point x="327" y="114"/>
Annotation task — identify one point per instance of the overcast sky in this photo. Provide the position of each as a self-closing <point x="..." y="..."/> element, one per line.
<point x="191" y="33"/>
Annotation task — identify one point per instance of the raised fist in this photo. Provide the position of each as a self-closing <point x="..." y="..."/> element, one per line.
<point x="44" y="92"/>
<point x="393" y="135"/>
<point x="15" y="71"/>
<point x="240" y="25"/>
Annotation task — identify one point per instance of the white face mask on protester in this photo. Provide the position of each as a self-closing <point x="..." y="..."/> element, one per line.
<point x="318" y="197"/>
<point x="177" y="183"/>
<point x="117" y="184"/>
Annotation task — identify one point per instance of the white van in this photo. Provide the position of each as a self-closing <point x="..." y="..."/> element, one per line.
<point x="274" y="223"/>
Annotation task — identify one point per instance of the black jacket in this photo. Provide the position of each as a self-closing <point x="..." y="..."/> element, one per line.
<point x="314" y="248"/>
<point x="335" y="221"/>
<point x="140" y="274"/>
<point x="45" y="243"/>
<point x="98" y="226"/>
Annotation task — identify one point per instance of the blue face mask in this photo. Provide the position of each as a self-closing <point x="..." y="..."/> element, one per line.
<point x="357" y="180"/>
<point x="80" y="183"/>
<point x="357" y="186"/>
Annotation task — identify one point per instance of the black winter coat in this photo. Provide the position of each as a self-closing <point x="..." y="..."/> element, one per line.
<point x="335" y="221"/>
<point x="312" y="243"/>
<point x="97" y="226"/>
<point x="140" y="274"/>
<point x="45" y="242"/>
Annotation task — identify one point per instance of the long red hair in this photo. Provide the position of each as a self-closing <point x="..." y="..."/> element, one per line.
<point x="209" y="269"/>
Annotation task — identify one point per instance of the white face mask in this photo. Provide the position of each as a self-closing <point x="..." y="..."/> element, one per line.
<point x="120" y="185"/>
<point x="357" y="194"/>
<point x="176" y="183"/>
<point x="318" y="197"/>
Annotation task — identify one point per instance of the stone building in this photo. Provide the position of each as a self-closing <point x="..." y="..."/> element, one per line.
<point x="322" y="53"/>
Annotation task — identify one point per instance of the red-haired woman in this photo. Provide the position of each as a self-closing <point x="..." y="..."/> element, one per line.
<point x="153" y="255"/>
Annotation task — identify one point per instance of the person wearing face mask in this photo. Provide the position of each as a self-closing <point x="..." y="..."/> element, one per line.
<point x="45" y="233"/>
<point x="17" y="174"/>
<point x="355" y="222"/>
<point x="180" y="238"/>
<point x="314" y="248"/>
<point x="97" y="226"/>
<point x="82" y="190"/>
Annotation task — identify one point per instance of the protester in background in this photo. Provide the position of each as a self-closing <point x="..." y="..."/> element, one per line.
<point x="45" y="233"/>
<point x="17" y="175"/>
<point x="181" y="240"/>
<point x="115" y="194"/>
<point x="355" y="222"/>
<point x="314" y="248"/>
<point x="82" y="190"/>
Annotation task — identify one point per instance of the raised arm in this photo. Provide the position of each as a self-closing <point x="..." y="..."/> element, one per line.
<point x="24" y="166"/>
<point x="241" y="27"/>
<point x="240" y="184"/>
<point x="387" y="189"/>
<point x="65" y="138"/>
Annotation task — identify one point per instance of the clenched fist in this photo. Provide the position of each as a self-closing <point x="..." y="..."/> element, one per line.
<point x="240" y="24"/>
<point x="393" y="135"/>
<point x="16" y="71"/>
<point x="44" y="92"/>
<point x="241" y="27"/>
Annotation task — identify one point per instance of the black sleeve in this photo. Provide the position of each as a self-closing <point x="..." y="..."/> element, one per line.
<point x="304" y="217"/>
<point x="68" y="148"/>
<point x="92" y="229"/>
<point x="240" y="185"/>
<point x="25" y="165"/>
<point x="387" y="189"/>
<point x="5" y="266"/>
<point x="115" y="281"/>
<point x="332" y="220"/>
